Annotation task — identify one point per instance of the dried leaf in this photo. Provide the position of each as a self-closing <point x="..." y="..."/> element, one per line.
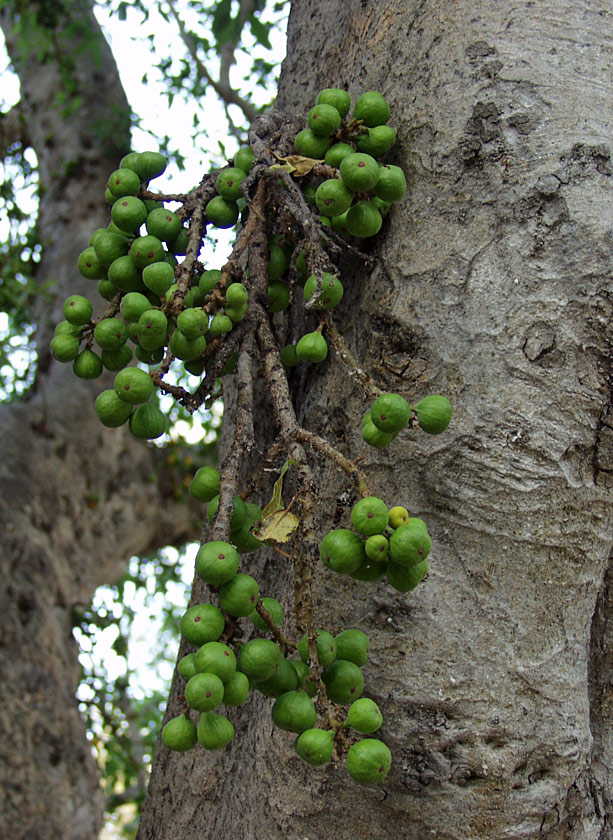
<point x="286" y="167"/>
<point x="300" y="166"/>
<point x="279" y="526"/>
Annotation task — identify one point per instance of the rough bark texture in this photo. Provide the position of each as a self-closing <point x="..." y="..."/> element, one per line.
<point x="492" y="286"/>
<point x="76" y="500"/>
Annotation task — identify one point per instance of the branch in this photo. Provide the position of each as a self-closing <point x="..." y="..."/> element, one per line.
<point x="229" y="48"/>
<point x="243" y="439"/>
<point x="354" y="368"/>
<point x="222" y="89"/>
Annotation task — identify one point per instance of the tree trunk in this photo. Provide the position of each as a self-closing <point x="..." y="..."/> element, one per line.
<point x="76" y="500"/>
<point x="491" y="285"/>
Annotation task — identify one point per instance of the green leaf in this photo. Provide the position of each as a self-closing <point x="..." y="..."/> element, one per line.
<point x="260" y="32"/>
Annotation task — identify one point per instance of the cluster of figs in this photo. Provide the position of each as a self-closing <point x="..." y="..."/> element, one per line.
<point x="216" y="675"/>
<point x="150" y="320"/>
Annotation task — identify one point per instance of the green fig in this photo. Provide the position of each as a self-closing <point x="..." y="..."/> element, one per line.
<point x="391" y="184"/>
<point x="90" y="266"/>
<point x="377" y="547"/>
<point x="129" y="213"/>
<point x="239" y="512"/>
<point x="368" y="761"/>
<point x="179" y="734"/>
<point x="64" y="347"/>
<point x="214" y="731"/>
<point x="228" y="183"/>
<point x="236" y="690"/>
<point x="294" y="711"/>
<point x="150" y="165"/>
<point x="372" y="109"/>
<point x="336" y="97"/>
<point x="398" y="516"/>
<point x="324" y="120"/>
<point x="325" y="645"/>
<point x="205" y="485"/>
<point x="184" y="349"/>
<point x="112" y="412"/>
<point x="133" y="385"/>
<point x="359" y="172"/>
<point x="146" y="250"/>
<point x="378" y="141"/>
<point x="158" y="277"/>
<point x="132" y="306"/>
<point x="353" y="645"/>
<point x="315" y="746"/>
<point x="77" y="310"/>
<point x="364" y="716"/>
<point x="433" y="414"/>
<point x="147" y="422"/>
<point x="186" y="667"/>
<point x="87" y="365"/>
<point x="259" y="659"/>
<point x="164" y="224"/>
<point x="336" y="153"/>
<point x="215" y="658"/>
<point x="363" y="220"/>
<point x="278" y="296"/>
<point x="216" y="562"/>
<point x="410" y="543"/>
<point x="244" y="159"/>
<point x="370" y="516"/>
<point x="333" y="198"/>
<point x="342" y="551"/>
<point x="221" y="212"/>
<point x="312" y="347"/>
<point x="123" y="182"/>
<point x="406" y="578"/>
<point x="311" y="145"/>
<point x="239" y="596"/>
<point x="202" y="623"/>
<point x="125" y="274"/>
<point x="110" y="333"/>
<point x="390" y="413"/>
<point x="193" y="322"/>
<point x="343" y="680"/>
<point x="282" y="680"/>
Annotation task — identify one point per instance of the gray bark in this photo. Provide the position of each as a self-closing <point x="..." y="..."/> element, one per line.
<point x="492" y="286"/>
<point x="76" y="500"/>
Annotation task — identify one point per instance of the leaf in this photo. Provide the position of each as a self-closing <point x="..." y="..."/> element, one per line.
<point x="279" y="526"/>
<point x="276" y="503"/>
<point x="285" y="167"/>
<point x="260" y="31"/>
<point x="300" y="166"/>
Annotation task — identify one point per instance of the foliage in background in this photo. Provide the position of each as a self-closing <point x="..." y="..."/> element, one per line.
<point x="122" y="697"/>
<point x="220" y="49"/>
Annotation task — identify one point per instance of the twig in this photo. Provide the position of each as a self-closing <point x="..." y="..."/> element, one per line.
<point x="243" y="440"/>
<point x="326" y="448"/>
<point x="276" y="632"/>
<point x="222" y="88"/>
<point x="354" y="368"/>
